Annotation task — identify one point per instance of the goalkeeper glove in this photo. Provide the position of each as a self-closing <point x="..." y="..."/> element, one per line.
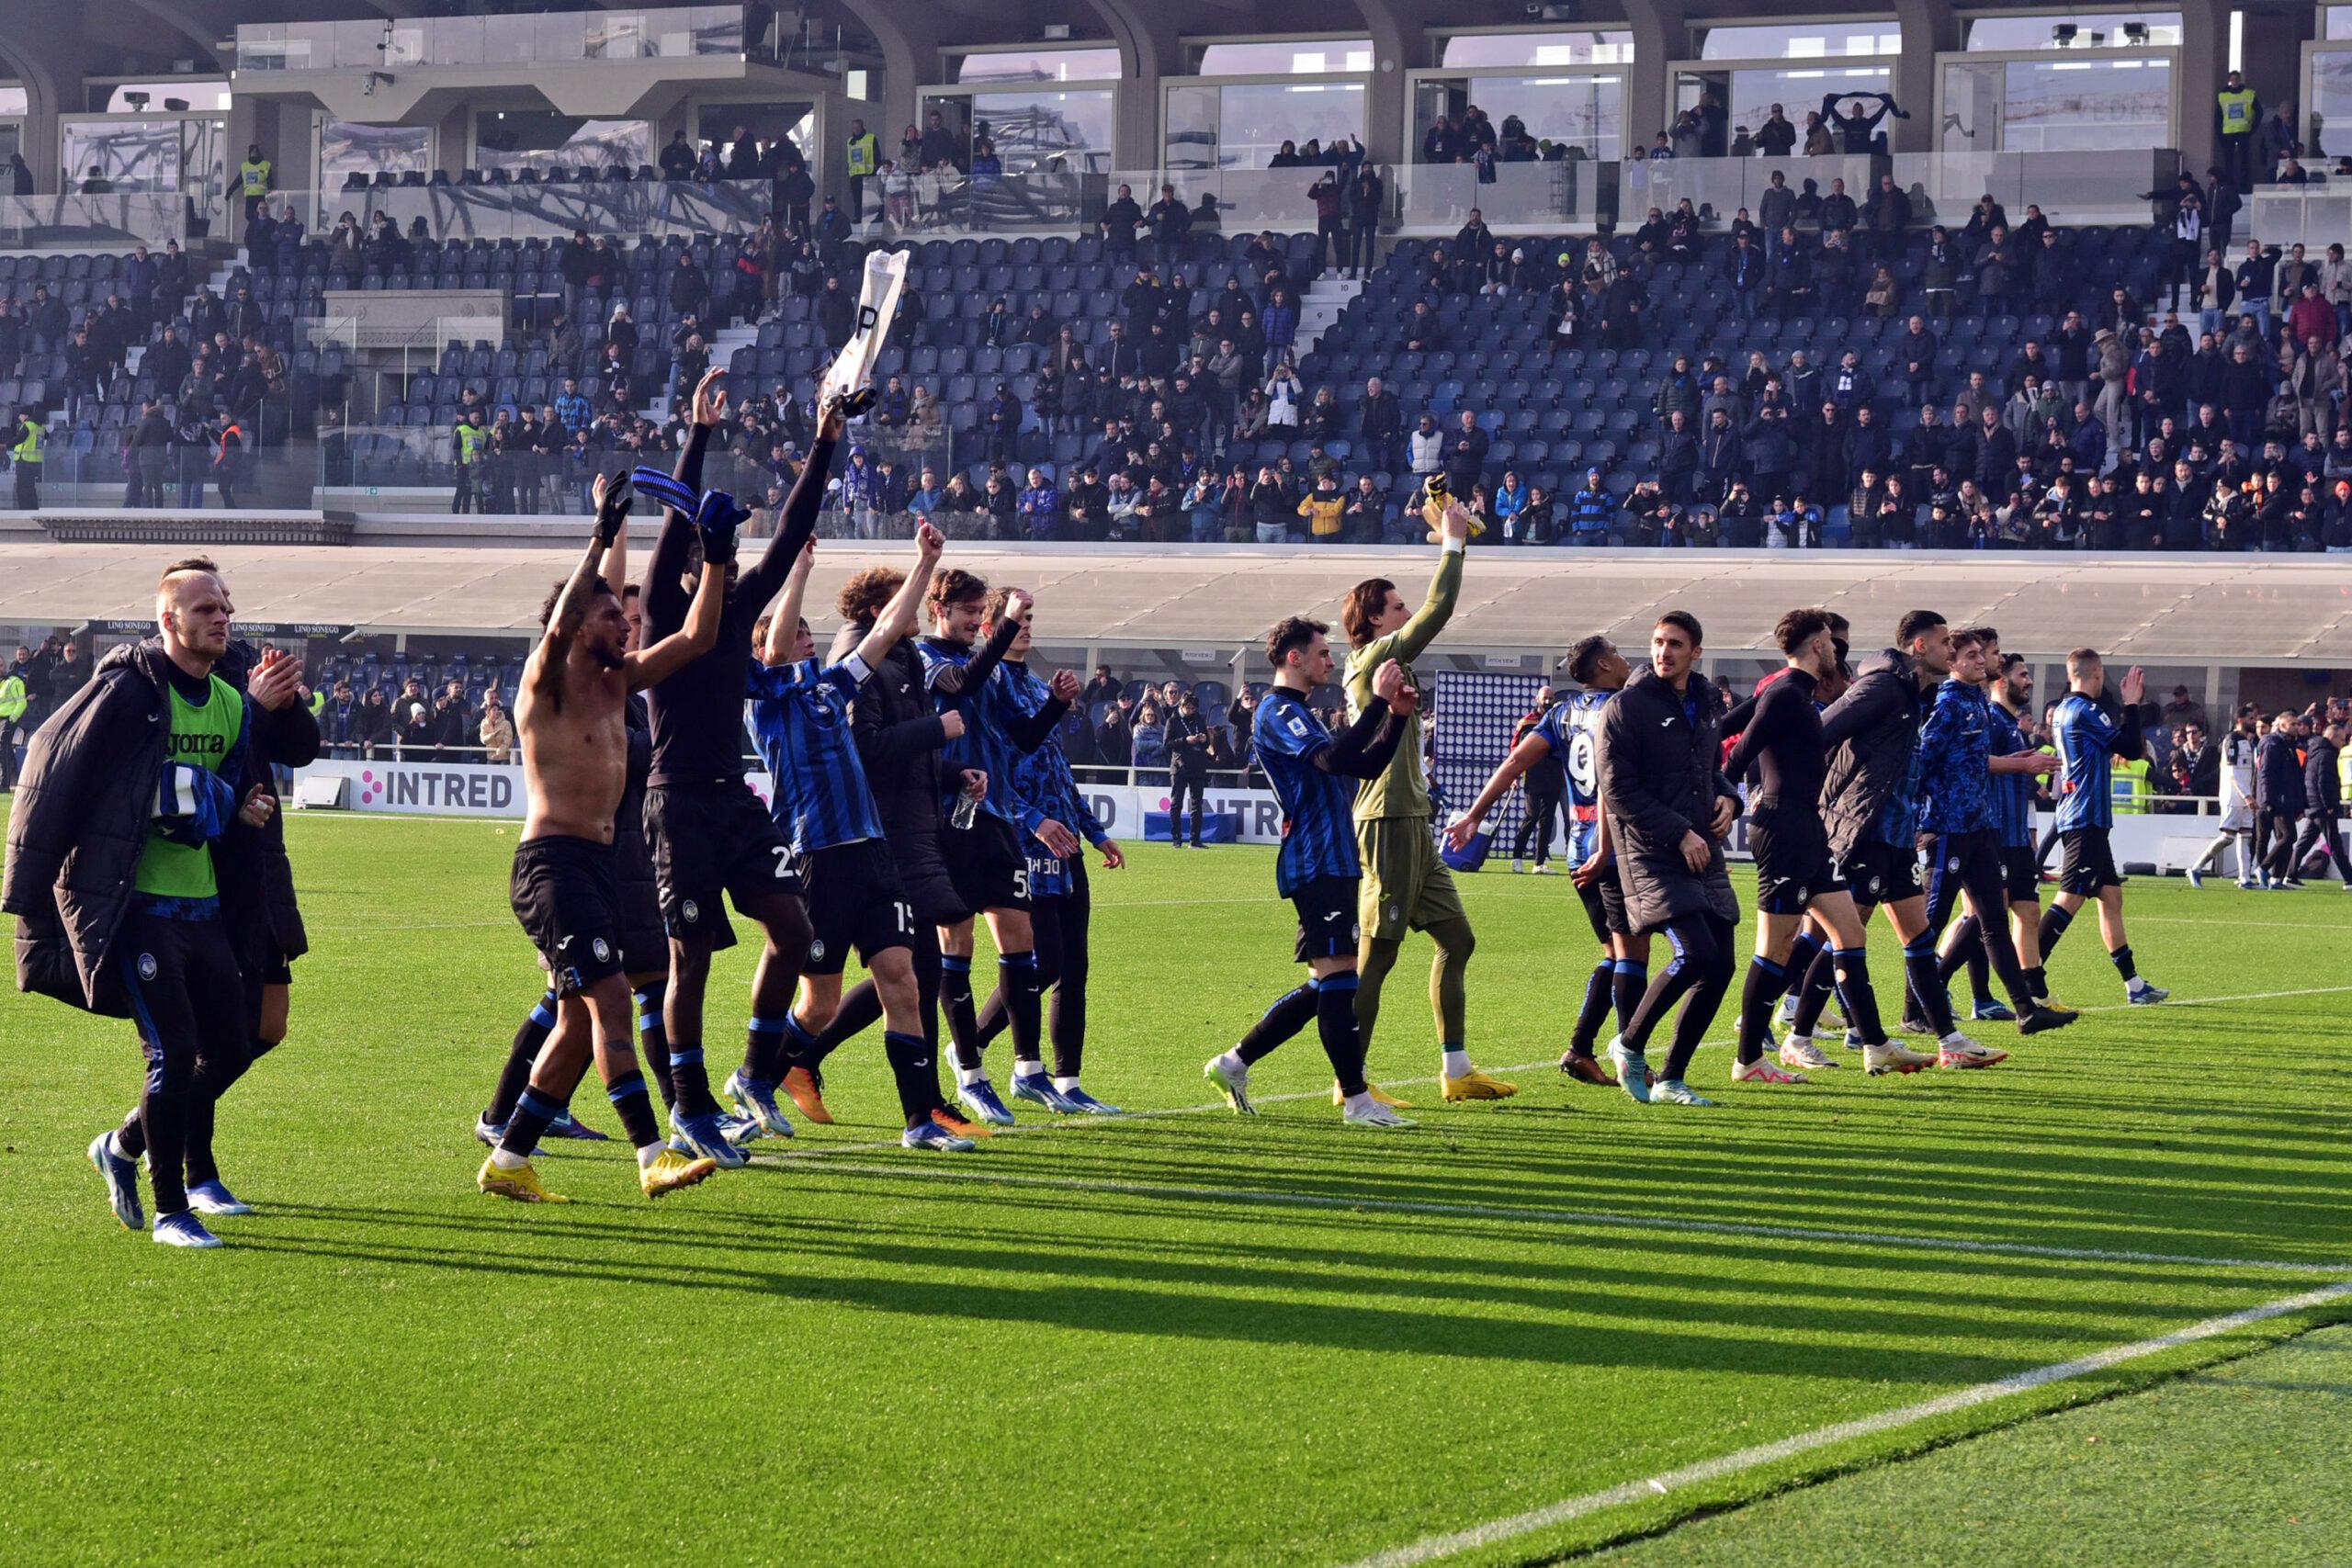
<point x="717" y="520"/>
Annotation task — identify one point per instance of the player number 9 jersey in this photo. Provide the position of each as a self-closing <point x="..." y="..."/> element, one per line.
<point x="1573" y="730"/>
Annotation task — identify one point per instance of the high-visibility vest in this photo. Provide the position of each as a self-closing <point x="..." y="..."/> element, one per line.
<point x="231" y="428"/>
<point x="2129" y="787"/>
<point x="318" y="702"/>
<point x="14" y="699"/>
<point x="29" y="439"/>
<point x="2237" y="110"/>
<point x="256" y="173"/>
<point x="861" y="153"/>
<point x="470" y="442"/>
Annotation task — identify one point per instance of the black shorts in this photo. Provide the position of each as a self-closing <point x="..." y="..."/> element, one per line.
<point x="1327" y="918"/>
<point x="2020" y="874"/>
<point x="2086" y="861"/>
<point x="924" y="881"/>
<point x="1793" y="863"/>
<point x="853" y="901"/>
<point x="1881" y="874"/>
<point x="564" y="891"/>
<point x="985" y="862"/>
<point x="1604" y="906"/>
<point x="710" y="839"/>
<point x="1960" y="861"/>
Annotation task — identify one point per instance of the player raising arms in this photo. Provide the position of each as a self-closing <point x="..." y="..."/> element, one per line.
<point x="1318" y="868"/>
<point x="1670" y="807"/>
<point x="1570" y="732"/>
<point x="1405" y="885"/>
<point x="800" y="715"/>
<point x="572" y="719"/>
<point x="1057" y="827"/>
<point x="981" y="843"/>
<point x="711" y="836"/>
<point x="2090" y="737"/>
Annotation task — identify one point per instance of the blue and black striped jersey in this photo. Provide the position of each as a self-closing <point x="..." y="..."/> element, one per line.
<point x="2012" y="793"/>
<point x="1318" y="816"/>
<point x="1046" y="790"/>
<point x="1573" y="729"/>
<point x="1955" y="783"/>
<point x="800" y="723"/>
<point x="2087" y="734"/>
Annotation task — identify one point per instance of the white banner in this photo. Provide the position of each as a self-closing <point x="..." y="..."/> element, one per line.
<point x="472" y="789"/>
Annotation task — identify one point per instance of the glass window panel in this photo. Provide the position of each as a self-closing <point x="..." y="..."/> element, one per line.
<point x="1312" y="57"/>
<point x="1801" y="40"/>
<point x="1191" y="142"/>
<point x="2034" y="33"/>
<point x="1799" y="88"/>
<point x="12" y="99"/>
<point x="1579" y="110"/>
<point x="1040" y="65"/>
<point x="1046" y="132"/>
<point x="2331" y="102"/>
<point x="540" y="141"/>
<point x="2057" y="105"/>
<point x="1539" y="49"/>
<point x="1255" y="119"/>
<point x="346" y="148"/>
<point x="133" y="155"/>
<point x="2339" y="21"/>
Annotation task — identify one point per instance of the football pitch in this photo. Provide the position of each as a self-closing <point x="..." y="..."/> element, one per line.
<point x="1827" y="1323"/>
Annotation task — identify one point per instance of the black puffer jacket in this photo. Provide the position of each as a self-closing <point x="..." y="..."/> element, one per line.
<point x="1871" y="733"/>
<point x="80" y="825"/>
<point x="256" y="857"/>
<point x="899" y="735"/>
<point x="1660" y="775"/>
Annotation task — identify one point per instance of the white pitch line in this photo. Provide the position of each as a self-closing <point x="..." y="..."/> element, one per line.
<point x="1430" y="1548"/>
<point x="935" y="1170"/>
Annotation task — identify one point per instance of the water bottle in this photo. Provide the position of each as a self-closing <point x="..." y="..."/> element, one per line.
<point x="967" y="806"/>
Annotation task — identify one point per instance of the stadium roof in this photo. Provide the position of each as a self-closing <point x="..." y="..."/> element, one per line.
<point x="2155" y="609"/>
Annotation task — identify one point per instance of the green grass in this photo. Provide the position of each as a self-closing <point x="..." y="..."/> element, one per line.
<point x="1130" y="1341"/>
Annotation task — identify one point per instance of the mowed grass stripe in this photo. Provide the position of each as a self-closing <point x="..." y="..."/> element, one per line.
<point x="399" y="1368"/>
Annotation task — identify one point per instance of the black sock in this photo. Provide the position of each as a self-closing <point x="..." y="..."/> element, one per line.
<point x="653" y="1037"/>
<point x="1285" y="1018"/>
<point x="516" y="1074"/>
<point x="533" y="1114"/>
<point x="1025" y="1008"/>
<point x="1335" y="1021"/>
<point x="1597" y="986"/>
<point x="2054" y="921"/>
<point x="1920" y="968"/>
<point x="1766" y="981"/>
<point x="2037" y="980"/>
<point x="1815" y="996"/>
<point x="2121" y="958"/>
<point x="689" y="1082"/>
<point x="1629" y="978"/>
<point x="861" y="1009"/>
<point x="763" y="1050"/>
<point x="1852" y="969"/>
<point x="991" y="1020"/>
<point x="956" y="1001"/>
<point x="635" y="1107"/>
<point x="800" y="1048"/>
<point x="914" y="1072"/>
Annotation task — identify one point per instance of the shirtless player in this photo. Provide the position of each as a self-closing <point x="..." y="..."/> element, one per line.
<point x="571" y="718"/>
